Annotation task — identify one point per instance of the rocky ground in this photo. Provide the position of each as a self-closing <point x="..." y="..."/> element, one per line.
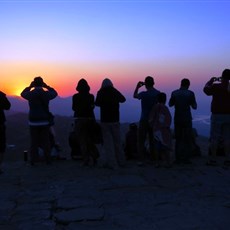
<point x="67" y="196"/>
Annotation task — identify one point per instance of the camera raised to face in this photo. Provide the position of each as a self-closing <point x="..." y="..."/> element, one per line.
<point x="218" y="78"/>
<point x="141" y="83"/>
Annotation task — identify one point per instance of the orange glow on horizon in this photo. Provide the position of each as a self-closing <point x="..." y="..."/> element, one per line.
<point x="64" y="77"/>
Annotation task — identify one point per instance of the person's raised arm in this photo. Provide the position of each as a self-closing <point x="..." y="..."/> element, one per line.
<point x="138" y="86"/>
<point x="208" y="86"/>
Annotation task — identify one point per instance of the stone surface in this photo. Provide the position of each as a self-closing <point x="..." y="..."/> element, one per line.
<point x="67" y="196"/>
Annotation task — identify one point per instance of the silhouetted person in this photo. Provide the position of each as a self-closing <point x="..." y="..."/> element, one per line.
<point x="83" y="107"/>
<point x="148" y="100"/>
<point x="38" y="95"/>
<point x="109" y="99"/>
<point x="219" y="89"/>
<point x="183" y="100"/>
<point x="131" y="142"/>
<point x="160" y="119"/>
<point x="4" y="105"/>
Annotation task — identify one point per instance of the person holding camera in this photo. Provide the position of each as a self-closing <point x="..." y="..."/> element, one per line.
<point x="148" y="100"/>
<point x="219" y="89"/>
<point x="38" y="94"/>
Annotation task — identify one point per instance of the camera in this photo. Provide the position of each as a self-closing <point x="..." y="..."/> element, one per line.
<point x="217" y="78"/>
<point x="141" y="83"/>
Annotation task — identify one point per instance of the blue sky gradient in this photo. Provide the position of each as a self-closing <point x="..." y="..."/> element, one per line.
<point x="64" y="41"/>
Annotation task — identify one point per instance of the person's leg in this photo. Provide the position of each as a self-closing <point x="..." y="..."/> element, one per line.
<point x="2" y="144"/>
<point x="108" y="149"/>
<point x="44" y="133"/>
<point x="215" y="135"/>
<point x="166" y="158"/>
<point x="34" y="143"/>
<point x="178" y="132"/>
<point x="119" y="153"/>
<point x="1" y="160"/>
<point x="142" y="134"/>
<point x="187" y="142"/>
<point x="152" y="150"/>
<point x="81" y="128"/>
<point x="226" y="139"/>
<point x="157" y="153"/>
<point x="91" y="146"/>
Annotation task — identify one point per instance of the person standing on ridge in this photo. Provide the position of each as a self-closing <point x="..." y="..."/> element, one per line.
<point x="183" y="100"/>
<point x="38" y="94"/>
<point x="219" y="89"/>
<point x="4" y="105"/>
<point x="148" y="100"/>
<point x="83" y="107"/>
<point x="108" y="99"/>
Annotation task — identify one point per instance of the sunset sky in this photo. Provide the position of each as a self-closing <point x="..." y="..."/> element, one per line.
<point x="63" y="41"/>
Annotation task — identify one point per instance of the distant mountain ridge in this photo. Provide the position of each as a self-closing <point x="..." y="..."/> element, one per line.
<point x="129" y="111"/>
<point x="59" y="105"/>
<point x="63" y="106"/>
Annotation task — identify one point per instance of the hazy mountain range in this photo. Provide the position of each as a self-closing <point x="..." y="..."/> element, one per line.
<point x="130" y="111"/>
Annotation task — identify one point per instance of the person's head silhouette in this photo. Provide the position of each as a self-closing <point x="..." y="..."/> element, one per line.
<point x="38" y="82"/>
<point x="82" y="86"/>
<point x="149" y="82"/>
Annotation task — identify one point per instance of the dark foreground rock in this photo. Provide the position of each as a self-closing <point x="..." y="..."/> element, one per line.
<point x="66" y="196"/>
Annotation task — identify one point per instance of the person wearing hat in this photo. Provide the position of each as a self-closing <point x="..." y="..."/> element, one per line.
<point x="219" y="89"/>
<point x="38" y="94"/>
